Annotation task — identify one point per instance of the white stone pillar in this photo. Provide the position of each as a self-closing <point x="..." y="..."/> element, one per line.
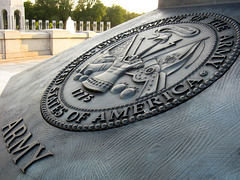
<point x="40" y="25"/>
<point x="27" y="24"/>
<point x="101" y="26"/>
<point x="81" y="26"/>
<point x="47" y="24"/>
<point x="1" y="24"/>
<point x="108" y="25"/>
<point x="88" y="26"/>
<point x="33" y="24"/>
<point x="14" y="23"/>
<point x="54" y="24"/>
<point x="11" y="21"/>
<point x="8" y="22"/>
<point x="75" y="26"/>
<point x="22" y="23"/>
<point x="60" y="24"/>
<point x="94" y="26"/>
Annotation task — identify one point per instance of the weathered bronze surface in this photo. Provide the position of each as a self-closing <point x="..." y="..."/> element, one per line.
<point x="142" y="72"/>
<point x="174" y="72"/>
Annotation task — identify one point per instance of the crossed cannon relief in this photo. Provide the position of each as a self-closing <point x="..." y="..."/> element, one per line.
<point x="150" y="66"/>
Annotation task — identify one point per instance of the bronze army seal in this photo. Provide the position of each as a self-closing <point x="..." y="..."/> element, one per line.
<point x="141" y="72"/>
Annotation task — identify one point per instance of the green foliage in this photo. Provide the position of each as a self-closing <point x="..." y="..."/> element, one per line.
<point x="94" y="10"/>
<point x="86" y="10"/>
<point x="131" y="15"/>
<point x="115" y="14"/>
<point x="48" y="9"/>
<point x="29" y="10"/>
<point x="89" y="10"/>
<point x="64" y="9"/>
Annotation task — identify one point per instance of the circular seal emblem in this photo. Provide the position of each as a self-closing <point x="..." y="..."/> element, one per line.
<point x="141" y="72"/>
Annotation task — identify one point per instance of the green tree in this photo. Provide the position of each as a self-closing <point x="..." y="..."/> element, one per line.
<point x="83" y="10"/>
<point x="86" y="10"/>
<point x="46" y="9"/>
<point x="29" y="10"/>
<point x="98" y="11"/>
<point x="130" y="15"/>
<point x="64" y="9"/>
<point x="115" y="14"/>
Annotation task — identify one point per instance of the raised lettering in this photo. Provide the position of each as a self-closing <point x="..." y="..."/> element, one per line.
<point x="80" y="94"/>
<point x="83" y="116"/>
<point x="216" y="64"/>
<point x="59" y="111"/>
<point x="17" y="133"/>
<point x="21" y="147"/>
<point x="220" y="54"/>
<point x="73" y="117"/>
<point x="219" y="25"/>
<point x="54" y="90"/>
<point x="101" y="117"/>
<point x="179" y="89"/>
<point x="115" y="115"/>
<point x="28" y="136"/>
<point x="36" y="157"/>
<point x="224" y="38"/>
<point x="153" y="102"/>
<point x="167" y="96"/>
<point x="24" y="149"/>
<point x="192" y="82"/>
<point x="138" y="109"/>
<point x="10" y="126"/>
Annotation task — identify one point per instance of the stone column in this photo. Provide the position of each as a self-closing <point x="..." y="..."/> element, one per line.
<point x="11" y="22"/>
<point x="47" y="24"/>
<point x="1" y="24"/>
<point x="81" y="26"/>
<point x="33" y="24"/>
<point x="22" y="24"/>
<point x="108" y="25"/>
<point x="88" y="26"/>
<point x="60" y="24"/>
<point x="26" y="24"/>
<point x="101" y="26"/>
<point x="54" y="24"/>
<point x="95" y="26"/>
<point x="40" y="24"/>
<point x="75" y="26"/>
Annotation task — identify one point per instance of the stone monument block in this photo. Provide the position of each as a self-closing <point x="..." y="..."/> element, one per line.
<point x="155" y="98"/>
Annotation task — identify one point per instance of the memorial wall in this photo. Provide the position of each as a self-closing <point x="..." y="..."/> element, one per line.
<point x="20" y="44"/>
<point x="154" y="98"/>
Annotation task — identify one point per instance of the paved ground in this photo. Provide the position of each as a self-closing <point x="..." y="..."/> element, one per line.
<point x="9" y="68"/>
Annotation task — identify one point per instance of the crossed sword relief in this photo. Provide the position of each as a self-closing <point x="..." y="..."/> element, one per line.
<point x="144" y="66"/>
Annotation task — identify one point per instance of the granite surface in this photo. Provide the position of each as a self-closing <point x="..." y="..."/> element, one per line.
<point x="199" y="139"/>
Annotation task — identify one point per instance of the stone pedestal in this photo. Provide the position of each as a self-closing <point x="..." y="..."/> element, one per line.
<point x="20" y="44"/>
<point x="154" y="98"/>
